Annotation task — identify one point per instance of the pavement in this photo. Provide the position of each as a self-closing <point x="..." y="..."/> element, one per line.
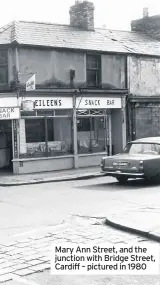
<point x="8" y="179"/>
<point x="142" y="221"/>
<point x="30" y="255"/>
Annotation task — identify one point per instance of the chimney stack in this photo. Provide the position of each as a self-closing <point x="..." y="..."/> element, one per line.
<point x="82" y="15"/>
<point x="148" y="24"/>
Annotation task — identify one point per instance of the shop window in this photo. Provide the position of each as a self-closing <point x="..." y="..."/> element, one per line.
<point x="43" y="137"/>
<point x="93" y="70"/>
<point x="3" y="67"/>
<point x="45" y="113"/>
<point x="83" y="125"/>
<point x="35" y="130"/>
<point x="91" y="134"/>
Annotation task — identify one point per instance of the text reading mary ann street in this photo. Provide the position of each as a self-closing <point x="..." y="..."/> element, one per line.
<point x="105" y="259"/>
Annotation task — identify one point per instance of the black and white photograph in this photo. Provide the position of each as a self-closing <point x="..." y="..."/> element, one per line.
<point x="80" y="142"/>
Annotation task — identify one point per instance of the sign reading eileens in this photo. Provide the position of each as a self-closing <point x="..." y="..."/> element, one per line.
<point x="41" y="103"/>
<point x="9" y="113"/>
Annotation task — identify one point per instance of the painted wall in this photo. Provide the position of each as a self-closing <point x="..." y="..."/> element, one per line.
<point x="144" y="76"/>
<point x="52" y="68"/>
<point x="113" y="71"/>
<point x="45" y="164"/>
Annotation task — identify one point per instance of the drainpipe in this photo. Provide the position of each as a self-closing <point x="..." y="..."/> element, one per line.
<point x="133" y="114"/>
<point x="18" y="90"/>
<point x="75" y="148"/>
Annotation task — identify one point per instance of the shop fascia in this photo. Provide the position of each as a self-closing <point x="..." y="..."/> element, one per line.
<point x="9" y="109"/>
<point x="67" y="103"/>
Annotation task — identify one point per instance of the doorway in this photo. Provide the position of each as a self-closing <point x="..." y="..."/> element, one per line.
<point x="94" y="131"/>
<point x="6" y="145"/>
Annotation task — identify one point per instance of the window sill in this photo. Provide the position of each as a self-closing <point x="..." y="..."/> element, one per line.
<point x="92" y="154"/>
<point x="42" y="158"/>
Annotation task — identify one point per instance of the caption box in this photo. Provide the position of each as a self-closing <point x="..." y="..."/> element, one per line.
<point x="108" y="259"/>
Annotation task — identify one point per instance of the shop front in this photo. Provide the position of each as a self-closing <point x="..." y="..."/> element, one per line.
<point x="9" y="113"/>
<point x="64" y="132"/>
<point x="101" y="128"/>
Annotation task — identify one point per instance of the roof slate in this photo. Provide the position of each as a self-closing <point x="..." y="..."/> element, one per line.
<point x="65" y="36"/>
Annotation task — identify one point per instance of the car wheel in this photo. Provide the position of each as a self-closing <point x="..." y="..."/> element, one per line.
<point x="122" y="179"/>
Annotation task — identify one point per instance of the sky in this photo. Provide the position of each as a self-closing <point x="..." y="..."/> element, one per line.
<point x="111" y="14"/>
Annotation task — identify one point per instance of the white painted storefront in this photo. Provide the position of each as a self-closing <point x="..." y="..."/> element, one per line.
<point x="48" y="133"/>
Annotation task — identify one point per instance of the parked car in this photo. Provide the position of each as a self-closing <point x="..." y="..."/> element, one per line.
<point x="140" y="159"/>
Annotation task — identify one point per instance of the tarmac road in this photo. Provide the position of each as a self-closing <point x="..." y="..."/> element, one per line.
<point x="25" y="209"/>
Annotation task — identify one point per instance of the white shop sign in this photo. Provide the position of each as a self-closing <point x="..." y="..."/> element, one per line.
<point x="8" y="101"/>
<point x="98" y="103"/>
<point x="50" y="102"/>
<point x="9" y="113"/>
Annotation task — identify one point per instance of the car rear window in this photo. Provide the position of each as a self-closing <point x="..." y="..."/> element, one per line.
<point x="142" y="148"/>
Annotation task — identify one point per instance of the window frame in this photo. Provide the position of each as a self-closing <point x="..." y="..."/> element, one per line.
<point x="69" y="115"/>
<point x="91" y="118"/>
<point x="97" y="69"/>
<point x="4" y="66"/>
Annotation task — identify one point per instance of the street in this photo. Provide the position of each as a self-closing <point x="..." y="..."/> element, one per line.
<point x="33" y="210"/>
<point x="28" y="208"/>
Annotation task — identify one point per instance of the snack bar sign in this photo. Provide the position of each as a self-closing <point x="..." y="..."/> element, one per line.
<point x="98" y="103"/>
<point x="9" y="113"/>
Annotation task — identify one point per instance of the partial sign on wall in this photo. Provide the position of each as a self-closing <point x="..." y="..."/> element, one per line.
<point x="98" y="103"/>
<point x="31" y="83"/>
<point x="15" y="142"/>
<point x="9" y="113"/>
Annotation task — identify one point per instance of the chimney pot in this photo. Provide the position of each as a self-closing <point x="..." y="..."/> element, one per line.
<point x="145" y="12"/>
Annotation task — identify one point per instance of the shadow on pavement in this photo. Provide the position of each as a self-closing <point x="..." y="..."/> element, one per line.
<point x="136" y="184"/>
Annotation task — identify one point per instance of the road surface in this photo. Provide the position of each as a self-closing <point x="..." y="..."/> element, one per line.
<point x="26" y="209"/>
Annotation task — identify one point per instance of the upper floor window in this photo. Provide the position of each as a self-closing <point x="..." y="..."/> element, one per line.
<point x="93" y="70"/>
<point x="3" y="66"/>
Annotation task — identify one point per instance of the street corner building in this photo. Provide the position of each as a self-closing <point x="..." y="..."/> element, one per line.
<point x="89" y="90"/>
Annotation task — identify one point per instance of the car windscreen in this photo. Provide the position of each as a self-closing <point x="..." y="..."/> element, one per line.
<point x="142" y="148"/>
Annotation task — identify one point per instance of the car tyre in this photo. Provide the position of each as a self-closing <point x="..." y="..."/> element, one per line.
<point x="122" y="179"/>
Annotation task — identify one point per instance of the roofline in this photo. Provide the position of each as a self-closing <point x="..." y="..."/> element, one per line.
<point x="143" y="99"/>
<point x="77" y="28"/>
<point x="17" y="45"/>
<point x="146" y="18"/>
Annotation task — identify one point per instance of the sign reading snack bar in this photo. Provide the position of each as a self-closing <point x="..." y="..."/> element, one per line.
<point x="98" y="103"/>
<point x="9" y="113"/>
<point x="49" y="102"/>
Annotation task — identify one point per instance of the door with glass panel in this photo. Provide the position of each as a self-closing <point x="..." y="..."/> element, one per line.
<point x="93" y="132"/>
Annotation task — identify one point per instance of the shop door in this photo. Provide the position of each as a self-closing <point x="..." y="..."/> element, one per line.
<point x="108" y="134"/>
<point x="5" y="144"/>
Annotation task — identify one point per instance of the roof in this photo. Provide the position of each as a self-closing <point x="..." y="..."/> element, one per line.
<point x="65" y="36"/>
<point x="148" y="140"/>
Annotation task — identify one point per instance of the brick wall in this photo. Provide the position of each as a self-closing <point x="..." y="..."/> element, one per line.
<point x="147" y="121"/>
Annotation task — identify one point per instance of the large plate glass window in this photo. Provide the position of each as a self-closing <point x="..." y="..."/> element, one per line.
<point x="44" y="136"/>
